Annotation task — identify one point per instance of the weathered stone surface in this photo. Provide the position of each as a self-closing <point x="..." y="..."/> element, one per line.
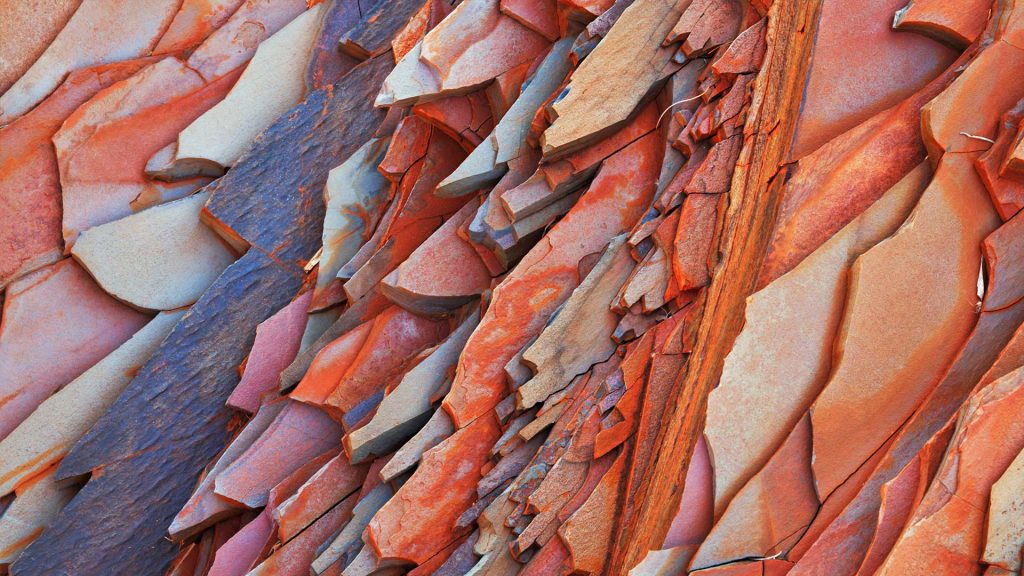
<point x="276" y="344"/>
<point x="406" y="408"/>
<point x="878" y="378"/>
<point x="335" y="481"/>
<point x="53" y="428"/>
<point x="298" y="434"/>
<point x="793" y="322"/>
<point x="56" y="324"/>
<point x="194" y="22"/>
<point x="159" y="259"/>
<point x="130" y="120"/>
<point x="614" y="202"/>
<point x="489" y="161"/>
<point x="419" y="520"/>
<point x="442" y="274"/>
<point x="955" y="23"/>
<point x="294" y="558"/>
<point x="272" y="83"/>
<point x="27" y="29"/>
<point x="770" y="512"/>
<point x="471" y="46"/>
<point x="356" y="197"/>
<point x="609" y="86"/>
<point x="988" y="437"/>
<point x="30" y="196"/>
<point x="39" y="499"/>
<point x="374" y="33"/>
<point x="846" y="87"/>
<point x="204" y="507"/>
<point x="579" y="336"/>
<point x="161" y="431"/>
<point x="99" y="32"/>
<point x="272" y="198"/>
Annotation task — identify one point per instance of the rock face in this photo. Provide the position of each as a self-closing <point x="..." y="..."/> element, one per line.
<point x="511" y="287"/>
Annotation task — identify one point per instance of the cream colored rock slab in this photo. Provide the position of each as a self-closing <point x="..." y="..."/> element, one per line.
<point x="614" y="79"/>
<point x="355" y="193"/>
<point x="60" y="421"/>
<point x="159" y="259"/>
<point x="272" y="83"/>
<point x="433" y="432"/>
<point x="782" y="357"/>
<point x="34" y="508"/>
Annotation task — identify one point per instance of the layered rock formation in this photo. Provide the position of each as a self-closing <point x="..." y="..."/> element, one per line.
<point x="500" y="287"/>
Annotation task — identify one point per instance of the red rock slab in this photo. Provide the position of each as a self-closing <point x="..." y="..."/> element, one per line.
<point x="330" y="365"/>
<point x="194" y="22"/>
<point x="794" y="322"/>
<point x="99" y="32"/>
<point x="544" y="279"/>
<point x="444" y="273"/>
<point x="30" y="206"/>
<point x="298" y="433"/>
<point x="419" y="520"/>
<point x="408" y="405"/>
<point x="354" y="315"/>
<point x="744" y="54"/>
<point x="130" y="120"/>
<point x="205" y="508"/>
<point x="1004" y="186"/>
<point x="585" y="9"/>
<point x="331" y="484"/>
<point x="846" y="87"/>
<point x="988" y="436"/>
<point x="899" y="498"/>
<point x="972" y="105"/>
<point x="27" y="29"/>
<point x="294" y="558"/>
<point x="1013" y="165"/>
<point x="771" y="511"/>
<point x="880" y="377"/>
<point x="56" y="324"/>
<point x="588" y="532"/>
<point x="714" y="175"/>
<point x="955" y="23"/>
<point x="408" y="144"/>
<point x="391" y="345"/>
<point x="277" y="343"/>
<point x="555" y="180"/>
<point x="424" y="20"/>
<point x="837" y="502"/>
<point x="695" y="516"/>
<point x="466" y="119"/>
<point x="705" y="25"/>
<point x="831" y="185"/>
<point x="539" y="16"/>
<point x="417" y="214"/>
<point x="1004" y="255"/>
<point x="471" y="46"/>
<point x="692" y="248"/>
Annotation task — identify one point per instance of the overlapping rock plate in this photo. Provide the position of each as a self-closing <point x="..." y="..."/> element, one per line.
<point x="496" y="287"/>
